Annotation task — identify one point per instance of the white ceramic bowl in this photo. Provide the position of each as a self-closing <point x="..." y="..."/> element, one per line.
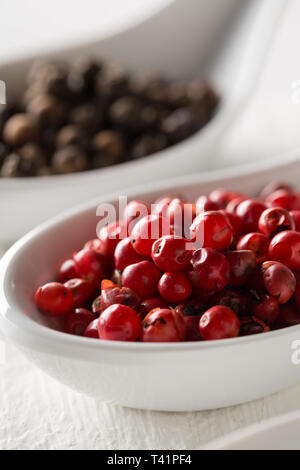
<point x="170" y="377"/>
<point x="218" y="48"/>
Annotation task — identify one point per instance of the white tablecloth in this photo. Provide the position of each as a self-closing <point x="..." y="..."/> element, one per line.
<point x="38" y="413"/>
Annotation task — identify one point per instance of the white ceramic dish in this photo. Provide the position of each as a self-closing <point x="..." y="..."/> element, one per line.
<point x="170" y="377"/>
<point x="280" y="433"/>
<point x="225" y="40"/>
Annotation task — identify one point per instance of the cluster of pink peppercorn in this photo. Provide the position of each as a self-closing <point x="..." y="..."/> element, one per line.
<point x="242" y="279"/>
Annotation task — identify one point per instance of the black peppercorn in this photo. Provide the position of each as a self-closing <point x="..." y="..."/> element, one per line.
<point x="88" y="116"/>
<point x="48" y="141"/>
<point x="33" y="153"/>
<point x="70" y="159"/>
<point x="72" y="135"/>
<point x="6" y="112"/>
<point x="48" y="110"/>
<point x="20" y="129"/>
<point x="148" y="144"/>
<point x="92" y="114"/>
<point x="201" y="94"/>
<point x="101" y="160"/>
<point x="16" y="165"/>
<point x="178" y="94"/>
<point x="131" y="114"/>
<point x="110" y="143"/>
<point x="83" y="75"/>
<point x="4" y="150"/>
<point x="157" y="91"/>
<point x="125" y="112"/>
<point x="55" y="83"/>
<point x="112" y="82"/>
<point x="180" y="125"/>
<point x="45" y="171"/>
<point x="41" y="70"/>
<point x="31" y="93"/>
<point x="11" y="166"/>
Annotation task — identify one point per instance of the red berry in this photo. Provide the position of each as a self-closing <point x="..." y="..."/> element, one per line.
<point x="125" y="255"/>
<point x="180" y="215"/>
<point x="211" y="270"/>
<point x="191" y="311"/>
<point x="232" y="206"/>
<point x="90" y="265"/>
<point x="147" y="231"/>
<point x="172" y="254"/>
<point x="212" y="230"/>
<point x="204" y="204"/>
<point x="151" y="304"/>
<point x="289" y="316"/>
<point x="272" y="188"/>
<point x="219" y="323"/>
<point x="250" y="211"/>
<point x="143" y="278"/>
<point x="119" y="323"/>
<point x="82" y="292"/>
<point x="253" y="326"/>
<point x="121" y="296"/>
<point x="76" y="322"/>
<point x="92" y="330"/>
<point x="222" y="197"/>
<point x="67" y="271"/>
<point x="204" y="297"/>
<point x="239" y="302"/>
<point x="110" y="235"/>
<point x="134" y="211"/>
<point x="296" y="218"/>
<point x="266" y="308"/>
<point x="163" y="326"/>
<point x="174" y="287"/>
<point x="54" y="299"/>
<point x="256" y="282"/>
<point x="279" y="281"/>
<point x="236" y="225"/>
<point x="94" y="244"/>
<point x="297" y="295"/>
<point x="275" y="220"/>
<point x="256" y="242"/>
<point x="285" y="247"/>
<point x="285" y="199"/>
<point x="242" y="265"/>
<point x="160" y="207"/>
<point x="175" y="212"/>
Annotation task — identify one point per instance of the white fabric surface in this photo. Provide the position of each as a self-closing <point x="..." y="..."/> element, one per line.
<point x="38" y="413"/>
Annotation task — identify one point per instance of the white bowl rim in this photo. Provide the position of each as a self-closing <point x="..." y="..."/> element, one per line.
<point x="28" y="326"/>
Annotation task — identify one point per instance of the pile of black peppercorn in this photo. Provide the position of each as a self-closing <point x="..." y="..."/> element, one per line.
<point x="95" y="114"/>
